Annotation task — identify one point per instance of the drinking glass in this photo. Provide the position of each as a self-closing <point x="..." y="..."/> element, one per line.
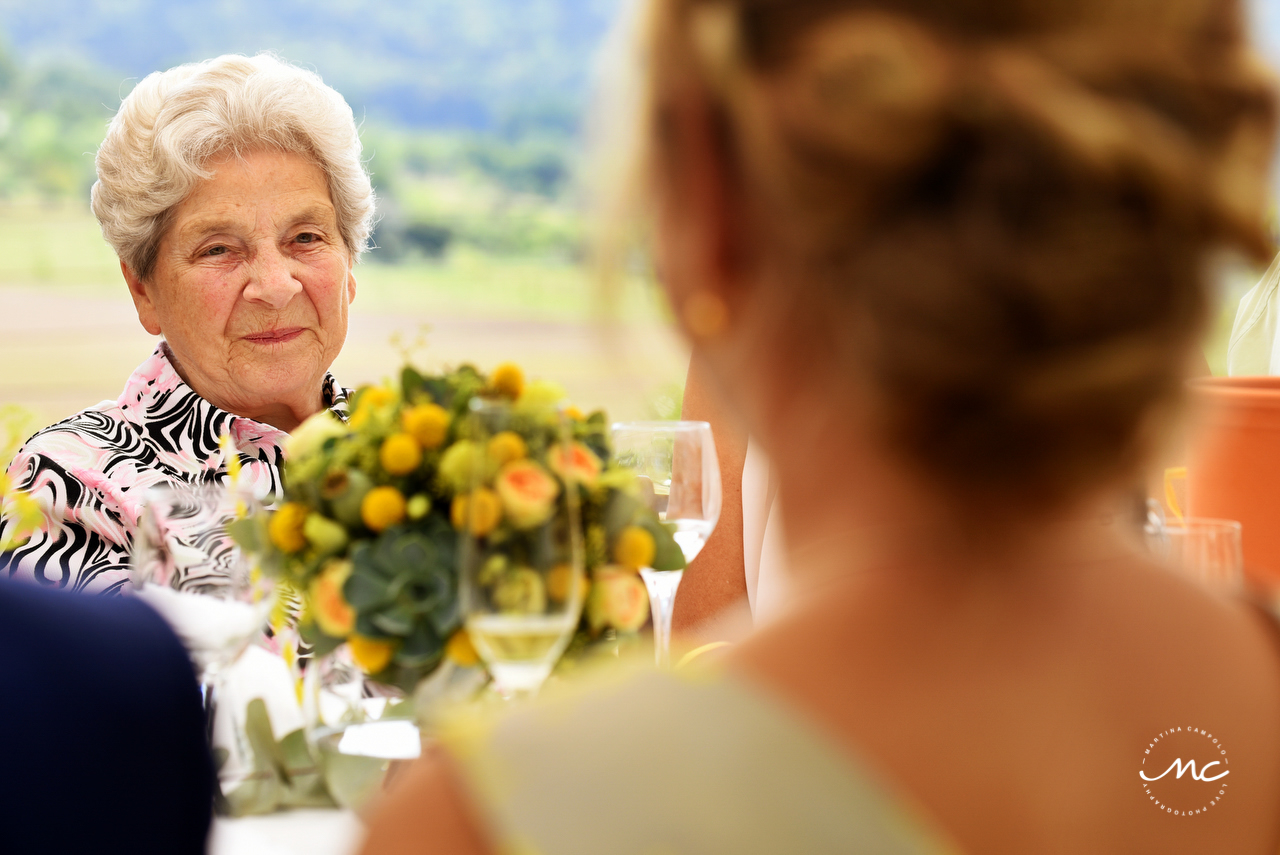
<point x="677" y="465"/>
<point x="358" y="729"/>
<point x="1207" y="550"/>
<point x="187" y="567"/>
<point x="521" y="544"/>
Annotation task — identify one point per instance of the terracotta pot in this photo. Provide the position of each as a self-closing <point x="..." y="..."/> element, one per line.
<point x="1233" y="467"/>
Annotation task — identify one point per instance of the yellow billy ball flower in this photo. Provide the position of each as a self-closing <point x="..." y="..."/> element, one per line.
<point x="376" y="396"/>
<point x="419" y="506"/>
<point x="371" y="654"/>
<point x="634" y="548"/>
<point x="286" y="528"/>
<point x="481" y="509"/>
<point x="507" y="447"/>
<point x="383" y="507"/>
<point x="460" y="651"/>
<point x="574" y="413"/>
<point x="367" y="401"/>
<point x="427" y="423"/>
<point x="400" y="454"/>
<point x="560" y="583"/>
<point x="507" y="379"/>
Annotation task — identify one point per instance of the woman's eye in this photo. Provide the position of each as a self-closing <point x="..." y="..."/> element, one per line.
<point x="307" y="237"/>
<point x="216" y="250"/>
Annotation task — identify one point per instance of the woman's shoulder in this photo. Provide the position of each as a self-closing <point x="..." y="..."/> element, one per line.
<point x="87" y="442"/>
<point x="701" y="763"/>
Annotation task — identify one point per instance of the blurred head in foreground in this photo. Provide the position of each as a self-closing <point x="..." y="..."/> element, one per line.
<point x="947" y="258"/>
<point x="977" y="230"/>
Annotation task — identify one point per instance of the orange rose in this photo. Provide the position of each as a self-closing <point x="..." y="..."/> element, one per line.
<point x="619" y="599"/>
<point x="327" y="603"/>
<point x="575" y="463"/>
<point x="528" y="493"/>
<point x="479" y="510"/>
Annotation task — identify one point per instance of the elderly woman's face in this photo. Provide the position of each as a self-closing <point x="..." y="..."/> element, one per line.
<point x="251" y="287"/>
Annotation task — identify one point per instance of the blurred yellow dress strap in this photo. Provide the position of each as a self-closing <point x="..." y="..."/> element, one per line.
<point x="683" y="764"/>
<point x="1175" y="473"/>
<point x="693" y="655"/>
<point x="1251" y="349"/>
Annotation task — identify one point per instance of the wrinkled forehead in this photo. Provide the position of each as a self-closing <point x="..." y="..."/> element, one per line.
<point x="293" y="187"/>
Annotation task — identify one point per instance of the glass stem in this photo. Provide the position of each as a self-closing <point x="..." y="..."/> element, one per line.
<point x="209" y="700"/>
<point x="662" y="585"/>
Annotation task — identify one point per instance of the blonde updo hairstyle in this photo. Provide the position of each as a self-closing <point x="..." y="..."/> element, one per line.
<point x="996" y="211"/>
<point x="175" y="122"/>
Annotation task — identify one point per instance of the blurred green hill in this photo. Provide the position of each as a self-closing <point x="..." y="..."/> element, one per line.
<point x="470" y="109"/>
<point x="478" y="64"/>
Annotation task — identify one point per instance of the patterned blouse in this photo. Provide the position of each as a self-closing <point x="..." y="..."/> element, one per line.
<point x="91" y="472"/>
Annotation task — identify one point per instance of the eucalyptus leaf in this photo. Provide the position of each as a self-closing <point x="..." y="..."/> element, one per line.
<point x="321" y="643"/>
<point x="411" y="384"/>
<point x="249" y="533"/>
<point x="285" y="773"/>
<point x="667" y="554"/>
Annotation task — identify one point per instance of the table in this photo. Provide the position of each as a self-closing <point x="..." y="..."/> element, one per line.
<point x="295" y="832"/>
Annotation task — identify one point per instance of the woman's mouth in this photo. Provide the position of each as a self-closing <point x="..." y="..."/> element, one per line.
<point x="279" y="336"/>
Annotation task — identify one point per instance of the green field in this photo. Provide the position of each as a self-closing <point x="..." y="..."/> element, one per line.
<point x="69" y="337"/>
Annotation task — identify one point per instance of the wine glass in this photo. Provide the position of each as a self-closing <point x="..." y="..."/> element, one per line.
<point x="522" y="582"/>
<point x="1206" y="550"/>
<point x="186" y="566"/>
<point x="677" y="466"/>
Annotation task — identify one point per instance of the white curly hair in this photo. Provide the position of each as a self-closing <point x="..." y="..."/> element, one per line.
<point x="174" y="122"/>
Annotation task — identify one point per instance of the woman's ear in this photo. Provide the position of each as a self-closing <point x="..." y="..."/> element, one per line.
<point x="351" y="286"/>
<point x="147" y="314"/>
<point x="701" y="226"/>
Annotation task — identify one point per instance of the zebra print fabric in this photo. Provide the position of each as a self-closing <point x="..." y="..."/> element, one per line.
<point x="91" y="472"/>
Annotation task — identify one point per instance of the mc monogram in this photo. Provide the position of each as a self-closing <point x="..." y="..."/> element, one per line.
<point x="1202" y="775"/>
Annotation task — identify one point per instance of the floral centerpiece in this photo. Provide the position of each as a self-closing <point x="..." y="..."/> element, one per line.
<point x="367" y="532"/>
<point x="22" y="513"/>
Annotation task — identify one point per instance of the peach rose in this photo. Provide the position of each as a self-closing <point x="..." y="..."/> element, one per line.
<point x="619" y="599"/>
<point x="528" y="493"/>
<point x="327" y="603"/>
<point x="575" y="463"/>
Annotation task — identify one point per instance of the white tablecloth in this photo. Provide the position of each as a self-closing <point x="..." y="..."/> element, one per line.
<point x="297" y="832"/>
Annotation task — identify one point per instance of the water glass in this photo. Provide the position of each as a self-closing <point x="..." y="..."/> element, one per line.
<point x="677" y="465"/>
<point x="1207" y="550"/>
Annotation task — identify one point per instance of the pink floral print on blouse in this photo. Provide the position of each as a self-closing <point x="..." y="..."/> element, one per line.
<point x="91" y="472"/>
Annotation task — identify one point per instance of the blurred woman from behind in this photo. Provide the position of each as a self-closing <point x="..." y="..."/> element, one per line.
<point x="946" y="258"/>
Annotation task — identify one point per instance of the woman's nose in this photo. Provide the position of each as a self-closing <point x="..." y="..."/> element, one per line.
<point x="271" y="279"/>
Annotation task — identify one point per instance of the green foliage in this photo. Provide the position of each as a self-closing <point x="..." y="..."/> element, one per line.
<point x="503" y="195"/>
<point x="285" y="774"/>
<point x="51" y="120"/>
<point x="506" y="190"/>
<point x="400" y="583"/>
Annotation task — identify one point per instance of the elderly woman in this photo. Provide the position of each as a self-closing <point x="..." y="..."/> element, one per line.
<point x="234" y="195"/>
<point x="946" y="260"/>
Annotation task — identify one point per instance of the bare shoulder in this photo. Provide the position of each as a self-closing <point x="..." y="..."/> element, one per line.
<point x="1049" y="696"/>
<point x="426" y="810"/>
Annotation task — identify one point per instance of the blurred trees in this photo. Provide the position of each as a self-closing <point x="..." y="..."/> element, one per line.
<point x="470" y="109"/>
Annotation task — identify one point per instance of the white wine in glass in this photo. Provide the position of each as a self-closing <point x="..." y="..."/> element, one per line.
<point x="521" y="546"/>
<point x="676" y="462"/>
